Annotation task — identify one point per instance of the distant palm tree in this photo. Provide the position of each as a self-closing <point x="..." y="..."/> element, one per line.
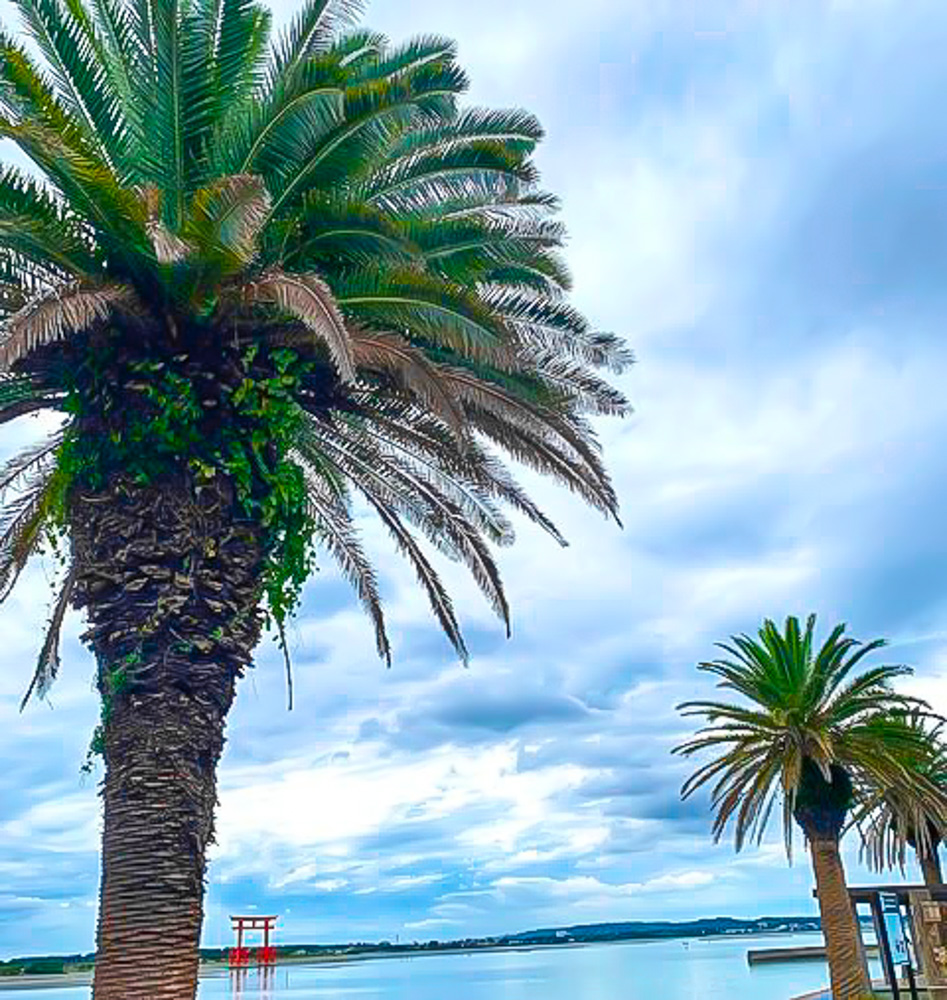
<point x="255" y="282"/>
<point x="813" y="733"/>
<point x="900" y="819"/>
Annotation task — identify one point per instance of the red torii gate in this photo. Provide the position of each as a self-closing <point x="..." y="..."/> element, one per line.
<point x="240" y="956"/>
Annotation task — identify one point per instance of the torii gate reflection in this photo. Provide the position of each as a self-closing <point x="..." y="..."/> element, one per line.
<point x="262" y="988"/>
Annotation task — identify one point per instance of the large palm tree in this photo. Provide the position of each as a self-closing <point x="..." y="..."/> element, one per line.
<point x="257" y="281"/>
<point x="814" y="734"/>
<point x="897" y="819"/>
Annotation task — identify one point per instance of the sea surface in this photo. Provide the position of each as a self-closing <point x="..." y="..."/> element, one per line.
<point x="698" y="969"/>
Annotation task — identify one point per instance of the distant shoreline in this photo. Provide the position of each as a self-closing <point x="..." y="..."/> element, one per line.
<point x="219" y="969"/>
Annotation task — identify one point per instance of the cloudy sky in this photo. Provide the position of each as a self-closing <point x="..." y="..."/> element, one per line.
<point x="757" y="199"/>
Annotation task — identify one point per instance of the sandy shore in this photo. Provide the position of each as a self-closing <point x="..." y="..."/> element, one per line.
<point x="60" y="981"/>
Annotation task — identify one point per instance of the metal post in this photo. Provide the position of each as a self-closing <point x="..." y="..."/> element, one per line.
<point x="881" y="932"/>
<point x="912" y="983"/>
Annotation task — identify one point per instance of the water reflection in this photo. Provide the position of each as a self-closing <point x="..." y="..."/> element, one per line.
<point x="257" y="984"/>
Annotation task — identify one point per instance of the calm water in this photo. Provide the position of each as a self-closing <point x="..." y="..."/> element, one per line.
<point x="653" y="970"/>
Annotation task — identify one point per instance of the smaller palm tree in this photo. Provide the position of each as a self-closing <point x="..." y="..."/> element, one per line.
<point x="900" y="819"/>
<point x="818" y="736"/>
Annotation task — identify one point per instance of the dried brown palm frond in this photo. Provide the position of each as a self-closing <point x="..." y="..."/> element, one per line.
<point x="439" y="598"/>
<point x="590" y="392"/>
<point x="480" y="395"/>
<point x="21" y="527"/>
<point x="414" y="433"/>
<point x="57" y="314"/>
<point x="536" y="450"/>
<point x="412" y="371"/>
<point x="28" y="463"/>
<point x="310" y="300"/>
<point x="168" y="247"/>
<point x="47" y="666"/>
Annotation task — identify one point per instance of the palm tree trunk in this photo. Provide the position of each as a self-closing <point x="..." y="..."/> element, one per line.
<point x="170" y="581"/>
<point x="930" y="866"/>
<point x="159" y="796"/>
<point x="839" y="927"/>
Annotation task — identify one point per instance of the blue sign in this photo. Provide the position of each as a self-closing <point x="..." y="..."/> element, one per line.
<point x="894" y="926"/>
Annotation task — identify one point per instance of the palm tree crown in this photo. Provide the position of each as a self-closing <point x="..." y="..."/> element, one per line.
<point x="898" y="819"/>
<point x="296" y="268"/>
<point x="814" y="731"/>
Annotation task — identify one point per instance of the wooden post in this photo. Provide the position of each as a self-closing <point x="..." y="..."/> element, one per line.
<point x="930" y="941"/>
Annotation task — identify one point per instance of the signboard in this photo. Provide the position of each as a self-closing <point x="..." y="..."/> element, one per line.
<point x="894" y="925"/>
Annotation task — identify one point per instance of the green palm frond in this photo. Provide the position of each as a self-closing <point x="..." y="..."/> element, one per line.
<point x="447" y="315"/>
<point x="67" y="38"/>
<point x="312" y="31"/>
<point x="375" y="112"/>
<point x="275" y="137"/>
<point x="20" y="396"/>
<point x="400" y="61"/>
<point x="222" y="232"/>
<point x="515" y="130"/>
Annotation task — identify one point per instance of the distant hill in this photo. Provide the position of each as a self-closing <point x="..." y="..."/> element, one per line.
<point x="668" y="929"/>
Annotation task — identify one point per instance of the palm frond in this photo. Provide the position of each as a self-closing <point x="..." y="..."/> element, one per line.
<point x="56" y="315"/>
<point x="48" y="664"/>
<point x="517" y="131"/>
<point x="65" y="34"/>
<point x="307" y="298"/>
<point x="427" y="440"/>
<point x="28" y="463"/>
<point x="21" y="527"/>
<point x="427" y="309"/>
<point x="453" y="527"/>
<point x="438" y="597"/>
<point x="412" y="372"/>
<point x="336" y="532"/>
<point x="225" y="219"/>
<point x="312" y="30"/>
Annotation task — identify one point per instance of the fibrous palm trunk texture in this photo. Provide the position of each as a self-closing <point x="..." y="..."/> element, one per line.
<point x="170" y="584"/>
